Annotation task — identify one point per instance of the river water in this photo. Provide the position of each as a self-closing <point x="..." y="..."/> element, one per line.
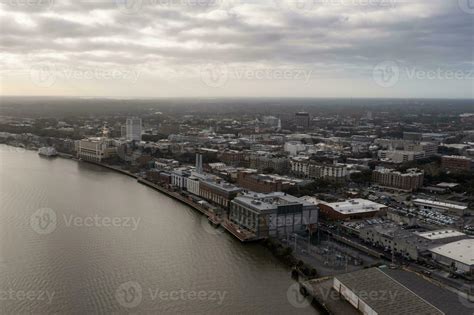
<point x="75" y="238"/>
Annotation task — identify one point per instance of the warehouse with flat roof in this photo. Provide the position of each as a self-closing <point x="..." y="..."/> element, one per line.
<point x="350" y="209"/>
<point x="459" y="254"/>
<point x="372" y="291"/>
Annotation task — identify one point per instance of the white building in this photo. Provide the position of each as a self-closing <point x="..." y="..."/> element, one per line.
<point x="194" y="181"/>
<point x="440" y="206"/>
<point x="134" y="129"/>
<point x="294" y="147"/>
<point x="458" y="255"/>
<point x="179" y="178"/>
<point x="313" y="170"/>
<point x="95" y="149"/>
<point x="398" y="156"/>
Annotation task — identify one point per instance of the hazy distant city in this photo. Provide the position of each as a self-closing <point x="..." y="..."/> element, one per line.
<point x="237" y="157"/>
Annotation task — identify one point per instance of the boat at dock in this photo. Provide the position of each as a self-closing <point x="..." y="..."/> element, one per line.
<point x="47" y="151"/>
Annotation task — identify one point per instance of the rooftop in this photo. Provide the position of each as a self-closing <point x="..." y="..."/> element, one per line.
<point x="440" y="234"/>
<point x="397" y="299"/>
<point x="462" y="251"/>
<point x="271" y="201"/>
<point x="440" y="204"/>
<point x="358" y="205"/>
<point x="223" y="186"/>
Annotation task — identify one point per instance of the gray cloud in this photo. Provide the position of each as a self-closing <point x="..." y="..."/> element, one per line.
<point x="337" y="40"/>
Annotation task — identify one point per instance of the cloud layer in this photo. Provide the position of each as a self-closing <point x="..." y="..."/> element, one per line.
<point x="375" y="48"/>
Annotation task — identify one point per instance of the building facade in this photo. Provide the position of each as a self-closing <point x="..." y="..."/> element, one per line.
<point x="398" y="156"/>
<point x="302" y="120"/>
<point x="260" y="183"/>
<point x="218" y="193"/>
<point x="456" y="163"/>
<point x="275" y="214"/>
<point x="313" y="170"/>
<point x="133" y="127"/>
<point x="410" y="181"/>
<point x="95" y="149"/>
<point x="350" y="209"/>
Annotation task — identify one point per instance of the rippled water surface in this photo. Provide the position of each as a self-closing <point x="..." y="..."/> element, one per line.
<point x="75" y="238"/>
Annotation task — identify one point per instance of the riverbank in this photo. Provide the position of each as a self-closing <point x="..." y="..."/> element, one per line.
<point x="216" y="221"/>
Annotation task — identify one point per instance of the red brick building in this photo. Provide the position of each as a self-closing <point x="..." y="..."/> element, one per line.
<point x="456" y="163"/>
<point x="260" y="183"/>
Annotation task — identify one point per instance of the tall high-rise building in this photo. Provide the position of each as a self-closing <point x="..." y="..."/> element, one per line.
<point x="199" y="163"/>
<point x="134" y="129"/>
<point x="302" y="120"/>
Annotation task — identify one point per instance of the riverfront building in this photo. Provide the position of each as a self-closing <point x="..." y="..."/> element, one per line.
<point x="385" y="291"/>
<point x="220" y="193"/>
<point x="276" y="214"/>
<point x="179" y="177"/>
<point x="95" y="149"/>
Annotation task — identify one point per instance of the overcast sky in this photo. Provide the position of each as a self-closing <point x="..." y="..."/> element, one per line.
<point x="212" y="48"/>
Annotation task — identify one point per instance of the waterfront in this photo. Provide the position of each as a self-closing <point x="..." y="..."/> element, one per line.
<point x="112" y="235"/>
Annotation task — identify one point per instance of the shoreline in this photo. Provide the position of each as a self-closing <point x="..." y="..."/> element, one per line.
<point x="213" y="220"/>
<point x="216" y="222"/>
